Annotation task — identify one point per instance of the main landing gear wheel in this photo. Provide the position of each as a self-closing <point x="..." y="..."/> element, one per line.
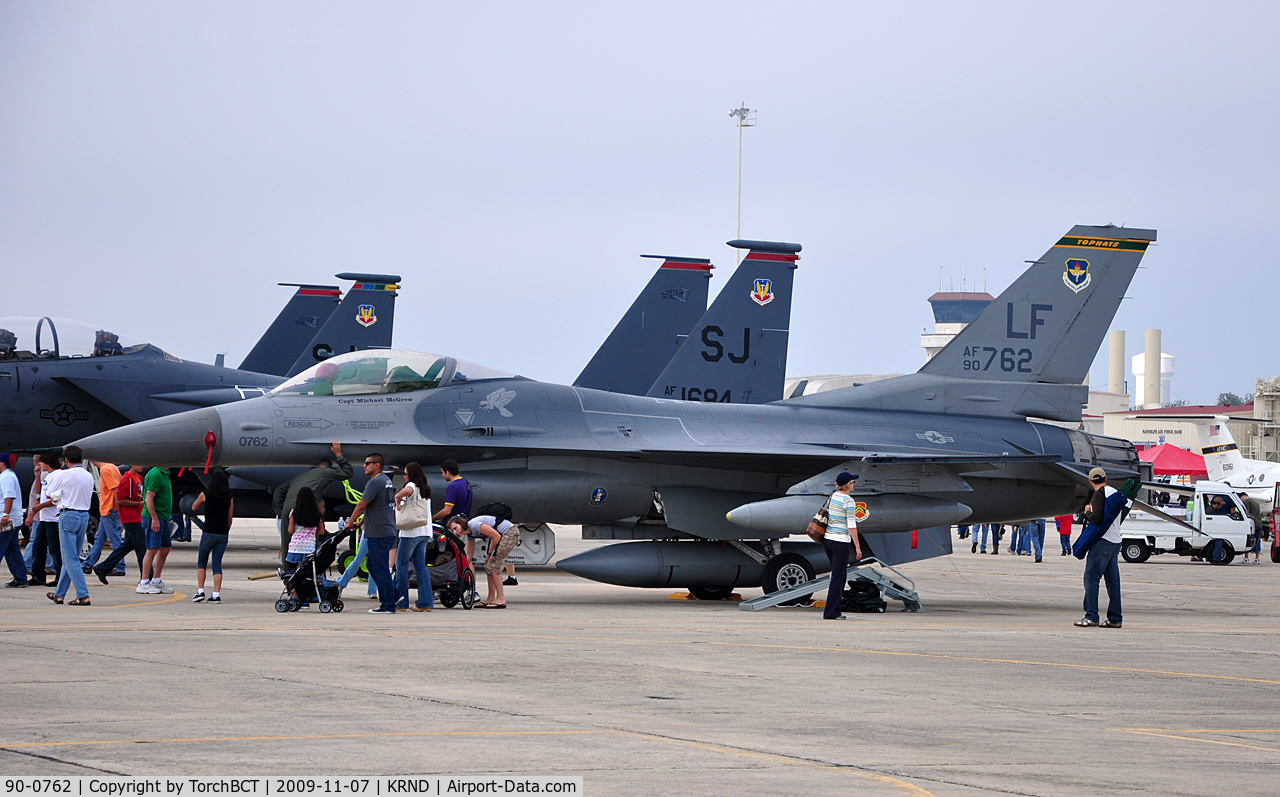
<point x="710" y="593"/>
<point x="282" y="605"/>
<point x="345" y="559"/>
<point x="1136" y="551"/>
<point x="787" y="570"/>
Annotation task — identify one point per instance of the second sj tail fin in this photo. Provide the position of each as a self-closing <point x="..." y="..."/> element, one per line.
<point x="363" y="320"/>
<point x="649" y="334"/>
<point x="302" y="317"/>
<point x="737" y="352"/>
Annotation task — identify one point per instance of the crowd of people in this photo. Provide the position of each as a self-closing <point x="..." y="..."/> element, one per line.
<point x="135" y="511"/>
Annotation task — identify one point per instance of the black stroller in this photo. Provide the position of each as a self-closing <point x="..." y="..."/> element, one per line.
<point x="304" y="584"/>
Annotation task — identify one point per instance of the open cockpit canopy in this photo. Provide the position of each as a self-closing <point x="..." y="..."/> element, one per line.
<point x="363" y="373"/>
<point x="32" y="338"/>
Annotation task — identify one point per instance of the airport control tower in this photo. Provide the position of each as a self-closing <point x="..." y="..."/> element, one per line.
<point x="952" y="312"/>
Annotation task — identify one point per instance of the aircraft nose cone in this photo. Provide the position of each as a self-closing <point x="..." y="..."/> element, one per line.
<point x="172" y="441"/>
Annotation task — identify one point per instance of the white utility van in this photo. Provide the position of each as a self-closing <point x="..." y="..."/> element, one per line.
<point x="1223" y="528"/>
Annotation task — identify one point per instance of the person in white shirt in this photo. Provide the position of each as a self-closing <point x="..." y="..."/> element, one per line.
<point x="42" y="519"/>
<point x="412" y="547"/>
<point x="840" y="539"/>
<point x="10" y="520"/>
<point x="72" y="489"/>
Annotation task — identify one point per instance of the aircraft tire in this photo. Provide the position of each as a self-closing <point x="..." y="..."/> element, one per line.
<point x="787" y="570"/>
<point x="710" y="593"/>
<point x="1136" y="551"/>
<point x="345" y="559"/>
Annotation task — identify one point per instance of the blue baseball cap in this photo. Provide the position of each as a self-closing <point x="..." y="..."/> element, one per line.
<point x="845" y="477"/>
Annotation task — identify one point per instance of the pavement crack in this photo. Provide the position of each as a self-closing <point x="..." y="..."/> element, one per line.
<point x="64" y="761"/>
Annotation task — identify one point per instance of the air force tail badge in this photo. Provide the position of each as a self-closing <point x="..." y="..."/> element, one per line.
<point x="365" y="316"/>
<point x="1077" y="276"/>
<point x="762" y="292"/>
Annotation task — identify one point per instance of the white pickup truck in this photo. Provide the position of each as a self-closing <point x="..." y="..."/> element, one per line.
<point x="1216" y="529"/>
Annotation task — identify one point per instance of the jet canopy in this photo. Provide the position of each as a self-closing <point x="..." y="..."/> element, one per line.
<point x="362" y="373"/>
<point x="31" y="338"/>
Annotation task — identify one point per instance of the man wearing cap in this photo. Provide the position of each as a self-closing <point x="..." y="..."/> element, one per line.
<point x="1103" y="515"/>
<point x="841" y="536"/>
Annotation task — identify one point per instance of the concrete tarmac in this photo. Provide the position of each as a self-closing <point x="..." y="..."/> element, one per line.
<point x="989" y="690"/>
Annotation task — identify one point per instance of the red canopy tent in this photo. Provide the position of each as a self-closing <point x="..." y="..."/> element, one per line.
<point x="1169" y="460"/>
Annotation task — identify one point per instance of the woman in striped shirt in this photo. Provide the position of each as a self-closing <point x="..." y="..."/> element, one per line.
<point x="841" y="537"/>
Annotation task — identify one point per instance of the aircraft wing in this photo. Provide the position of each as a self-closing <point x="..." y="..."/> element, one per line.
<point x="1180" y="489"/>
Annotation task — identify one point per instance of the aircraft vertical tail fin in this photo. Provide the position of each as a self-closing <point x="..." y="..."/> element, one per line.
<point x="1047" y="326"/>
<point x="363" y="320"/>
<point x="1222" y="457"/>
<point x="302" y="317"/>
<point x="737" y="352"/>
<point x="647" y="337"/>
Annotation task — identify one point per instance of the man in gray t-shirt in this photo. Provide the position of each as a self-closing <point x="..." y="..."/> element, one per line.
<point x="376" y="515"/>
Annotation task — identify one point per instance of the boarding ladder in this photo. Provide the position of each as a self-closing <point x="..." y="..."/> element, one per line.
<point x="898" y="587"/>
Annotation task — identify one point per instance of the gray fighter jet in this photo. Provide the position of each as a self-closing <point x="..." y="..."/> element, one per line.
<point x="47" y="399"/>
<point x="706" y="492"/>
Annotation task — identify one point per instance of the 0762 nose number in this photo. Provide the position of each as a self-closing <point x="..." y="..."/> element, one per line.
<point x="254" y="442"/>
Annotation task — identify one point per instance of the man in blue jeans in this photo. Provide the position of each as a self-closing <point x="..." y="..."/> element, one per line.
<point x="1101" y="560"/>
<point x="377" y="517"/>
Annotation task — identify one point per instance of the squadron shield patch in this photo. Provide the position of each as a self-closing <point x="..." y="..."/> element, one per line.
<point x="860" y="511"/>
<point x="598" y="496"/>
<point x="1077" y="276"/>
<point x="365" y="316"/>
<point x="762" y="292"/>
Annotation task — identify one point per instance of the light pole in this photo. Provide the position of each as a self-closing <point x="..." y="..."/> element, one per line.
<point x="746" y="118"/>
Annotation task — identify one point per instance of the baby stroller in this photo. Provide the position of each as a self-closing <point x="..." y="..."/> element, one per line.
<point x="452" y="579"/>
<point x="304" y="584"/>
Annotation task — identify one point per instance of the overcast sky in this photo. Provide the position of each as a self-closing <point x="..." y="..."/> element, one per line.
<point x="163" y="165"/>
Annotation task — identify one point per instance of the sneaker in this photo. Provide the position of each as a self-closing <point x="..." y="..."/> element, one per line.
<point x="380" y="610"/>
<point x="1087" y="623"/>
<point x="86" y="569"/>
<point x="163" y="587"/>
<point x="147" y="589"/>
<point x="16" y="584"/>
<point x="216" y="599"/>
<point x="510" y="581"/>
<point x="198" y="597"/>
<point x="1108" y="624"/>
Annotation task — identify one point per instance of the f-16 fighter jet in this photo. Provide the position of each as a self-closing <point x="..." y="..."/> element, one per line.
<point x="705" y="492"/>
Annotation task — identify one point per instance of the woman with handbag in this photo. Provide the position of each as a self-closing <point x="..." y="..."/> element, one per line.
<point x="840" y="538"/>
<point x="413" y="519"/>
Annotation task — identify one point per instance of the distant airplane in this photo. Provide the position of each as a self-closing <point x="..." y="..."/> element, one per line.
<point x="1224" y="462"/>
<point x="707" y="491"/>
<point x="48" y="399"/>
